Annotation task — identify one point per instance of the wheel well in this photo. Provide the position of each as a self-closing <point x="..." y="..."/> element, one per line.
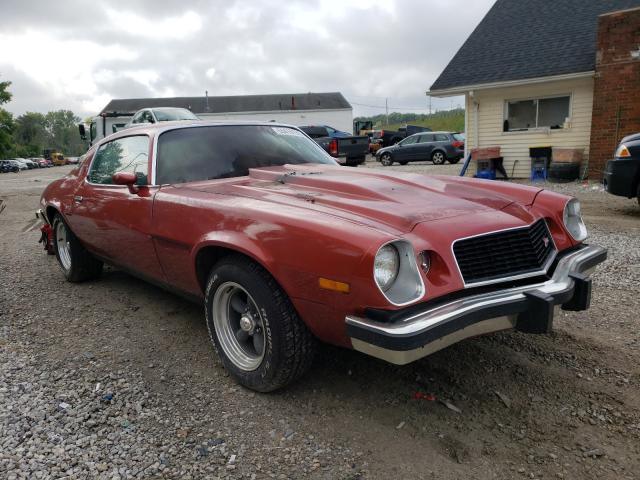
<point x="207" y="257"/>
<point x="50" y="212"/>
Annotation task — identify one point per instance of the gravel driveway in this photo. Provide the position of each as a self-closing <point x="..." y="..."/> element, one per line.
<point x="116" y="379"/>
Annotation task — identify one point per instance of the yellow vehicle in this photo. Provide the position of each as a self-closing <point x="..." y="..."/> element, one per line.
<point x="58" y="159"/>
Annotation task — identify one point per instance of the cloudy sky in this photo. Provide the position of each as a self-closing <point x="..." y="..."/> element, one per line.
<point x="78" y="55"/>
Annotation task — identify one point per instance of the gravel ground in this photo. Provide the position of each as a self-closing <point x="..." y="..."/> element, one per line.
<point x="116" y="379"/>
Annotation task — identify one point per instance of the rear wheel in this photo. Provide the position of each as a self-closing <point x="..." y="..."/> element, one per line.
<point x="259" y="337"/>
<point x="76" y="262"/>
<point x="386" y="160"/>
<point x="437" y="157"/>
<point x="404" y="162"/>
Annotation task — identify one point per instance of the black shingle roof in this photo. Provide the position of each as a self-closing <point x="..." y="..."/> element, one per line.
<point x="520" y="39"/>
<point x="237" y="103"/>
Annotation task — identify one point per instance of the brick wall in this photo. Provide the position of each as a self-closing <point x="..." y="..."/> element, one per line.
<point x="616" y="102"/>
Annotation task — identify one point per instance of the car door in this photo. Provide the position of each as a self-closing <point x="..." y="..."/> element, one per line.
<point x="425" y="146"/>
<point x="406" y="149"/>
<point x="108" y="218"/>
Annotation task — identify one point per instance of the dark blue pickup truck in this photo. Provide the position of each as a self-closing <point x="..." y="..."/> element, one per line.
<point x="347" y="149"/>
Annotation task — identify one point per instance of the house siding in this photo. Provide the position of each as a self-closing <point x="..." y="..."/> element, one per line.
<point x="515" y="145"/>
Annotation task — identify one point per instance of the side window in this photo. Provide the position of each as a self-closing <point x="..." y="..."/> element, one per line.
<point x="128" y="154"/>
<point x="410" y="140"/>
<point x="426" y="138"/>
<point x="441" y="137"/>
<point x="136" y="118"/>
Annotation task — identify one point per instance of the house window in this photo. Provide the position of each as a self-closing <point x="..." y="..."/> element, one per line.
<point x="550" y="112"/>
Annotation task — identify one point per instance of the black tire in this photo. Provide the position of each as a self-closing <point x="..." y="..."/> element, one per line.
<point x="438" y="157"/>
<point x="84" y="266"/>
<point x="386" y="159"/>
<point x="563" y="172"/>
<point x="404" y="162"/>
<point x="289" y="346"/>
<point x="453" y="161"/>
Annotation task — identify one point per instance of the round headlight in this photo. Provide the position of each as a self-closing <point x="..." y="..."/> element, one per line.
<point x="386" y="266"/>
<point x="573" y="220"/>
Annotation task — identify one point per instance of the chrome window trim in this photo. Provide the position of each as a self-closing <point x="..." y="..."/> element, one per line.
<point x="542" y="271"/>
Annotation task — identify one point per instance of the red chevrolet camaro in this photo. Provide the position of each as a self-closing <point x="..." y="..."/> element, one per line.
<point x="285" y="247"/>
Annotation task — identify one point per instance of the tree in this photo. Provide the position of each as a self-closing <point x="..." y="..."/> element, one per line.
<point x="62" y="127"/>
<point x="31" y="134"/>
<point x="6" y="122"/>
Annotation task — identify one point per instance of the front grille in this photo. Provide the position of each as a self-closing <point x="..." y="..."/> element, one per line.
<point x="504" y="254"/>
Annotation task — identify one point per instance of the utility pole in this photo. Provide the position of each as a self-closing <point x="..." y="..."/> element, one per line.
<point x="386" y="106"/>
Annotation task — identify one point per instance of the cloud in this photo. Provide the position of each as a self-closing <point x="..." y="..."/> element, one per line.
<point x="77" y="55"/>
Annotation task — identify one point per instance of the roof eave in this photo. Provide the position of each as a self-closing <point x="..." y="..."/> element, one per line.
<point x="454" y="91"/>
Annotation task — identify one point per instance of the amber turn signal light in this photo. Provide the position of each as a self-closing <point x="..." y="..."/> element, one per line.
<point x="623" y="152"/>
<point x="333" y="285"/>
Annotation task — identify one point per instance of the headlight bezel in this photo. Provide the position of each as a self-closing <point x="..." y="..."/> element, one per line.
<point x="408" y="285"/>
<point x="572" y="220"/>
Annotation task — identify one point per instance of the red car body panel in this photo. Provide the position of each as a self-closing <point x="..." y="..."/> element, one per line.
<point x="301" y="222"/>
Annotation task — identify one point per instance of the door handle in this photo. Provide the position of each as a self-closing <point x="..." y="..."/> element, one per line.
<point x="77" y="198"/>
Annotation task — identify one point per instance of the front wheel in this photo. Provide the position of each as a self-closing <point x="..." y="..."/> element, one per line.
<point x="76" y="262"/>
<point x="258" y="335"/>
<point x="437" y="158"/>
<point x="386" y="160"/>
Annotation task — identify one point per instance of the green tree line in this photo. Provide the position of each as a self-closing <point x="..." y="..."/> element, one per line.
<point x="446" y="120"/>
<point x="29" y="134"/>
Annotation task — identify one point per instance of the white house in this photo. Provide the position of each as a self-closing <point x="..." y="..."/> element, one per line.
<point x="528" y="73"/>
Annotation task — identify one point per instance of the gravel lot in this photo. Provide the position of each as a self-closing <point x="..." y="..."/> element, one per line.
<point x="116" y="379"/>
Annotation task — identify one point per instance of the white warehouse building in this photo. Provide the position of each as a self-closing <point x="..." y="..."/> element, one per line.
<point x="295" y="109"/>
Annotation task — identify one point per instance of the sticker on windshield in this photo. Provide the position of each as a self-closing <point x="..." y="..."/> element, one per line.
<point x="287" y="131"/>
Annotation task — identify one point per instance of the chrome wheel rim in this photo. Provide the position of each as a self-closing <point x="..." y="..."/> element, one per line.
<point x="386" y="159"/>
<point x="438" y="158"/>
<point x="64" y="248"/>
<point x="239" y="326"/>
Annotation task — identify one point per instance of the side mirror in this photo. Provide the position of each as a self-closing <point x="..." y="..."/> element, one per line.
<point x="83" y="133"/>
<point x="126" y="178"/>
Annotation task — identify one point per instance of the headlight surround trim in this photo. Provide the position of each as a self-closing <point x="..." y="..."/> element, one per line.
<point x="408" y="285"/>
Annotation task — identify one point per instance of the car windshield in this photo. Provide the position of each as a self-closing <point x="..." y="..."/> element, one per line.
<point x="173" y="114"/>
<point x="205" y="153"/>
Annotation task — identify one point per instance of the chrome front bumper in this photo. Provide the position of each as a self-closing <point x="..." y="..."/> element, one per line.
<point x="528" y="308"/>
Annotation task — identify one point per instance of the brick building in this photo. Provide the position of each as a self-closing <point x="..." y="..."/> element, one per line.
<point x="536" y="73"/>
<point x="616" y="99"/>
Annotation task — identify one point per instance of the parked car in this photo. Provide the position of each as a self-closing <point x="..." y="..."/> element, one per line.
<point x="348" y="149"/>
<point x="622" y="174"/>
<point x="9" y="166"/>
<point x="391" y="137"/>
<point x="437" y="147"/>
<point x="72" y="160"/>
<point x="29" y="164"/>
<point x="160" y="114"/>
<point x="43" y="163"/>
<point x="284" y="247"/>
<point x="19" y="164"/>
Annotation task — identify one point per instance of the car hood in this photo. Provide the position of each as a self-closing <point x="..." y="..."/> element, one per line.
<point x="394" y="202"/>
